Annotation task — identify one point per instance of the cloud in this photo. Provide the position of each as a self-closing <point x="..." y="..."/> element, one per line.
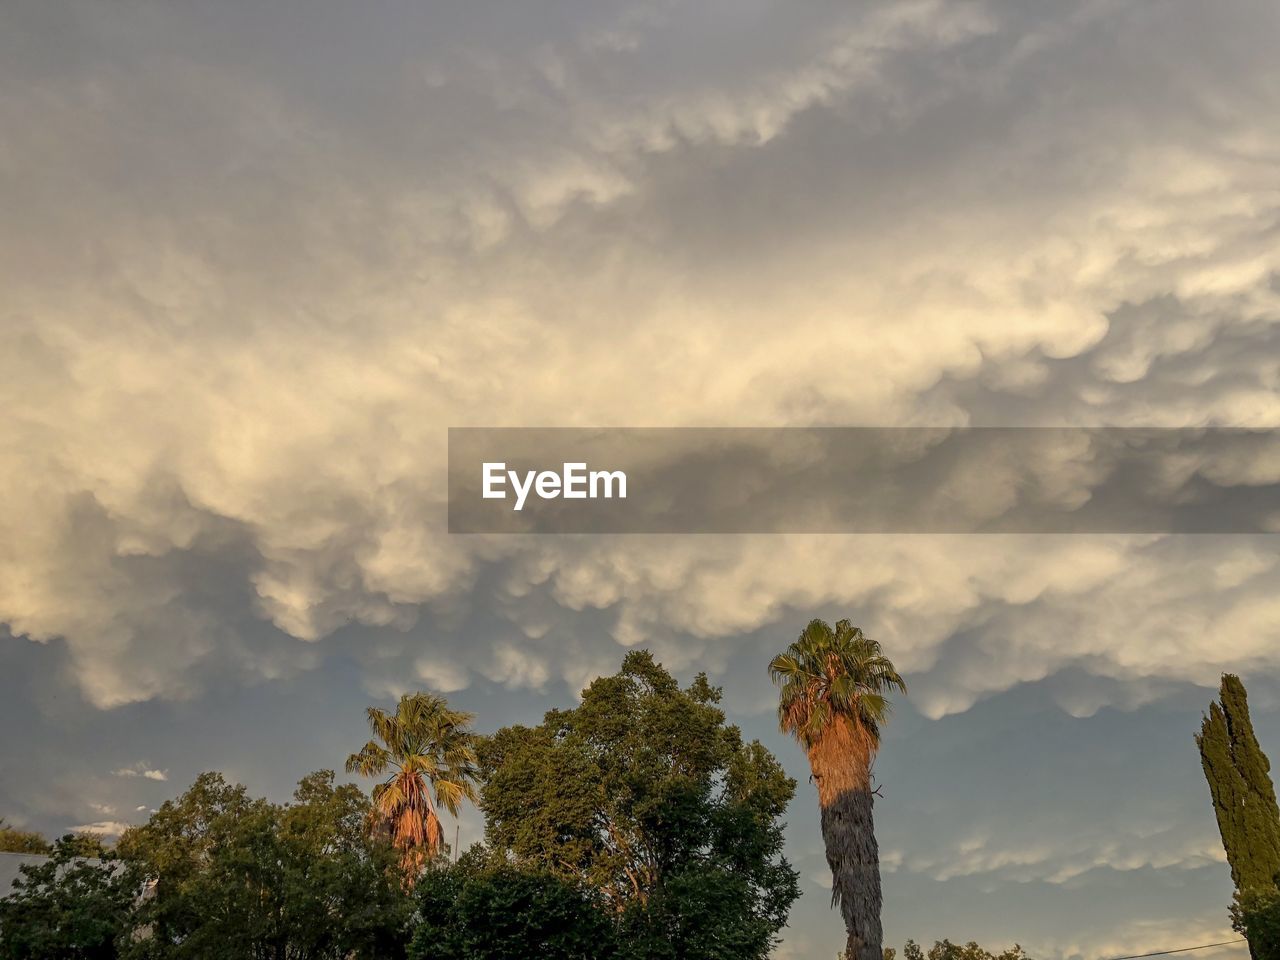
<point x="141" y="770"/>
<point x="1060" y="861"/>
<point x="231" y="401"/>
<point x="102" y="828"/>
<point x="1140" y="936"/>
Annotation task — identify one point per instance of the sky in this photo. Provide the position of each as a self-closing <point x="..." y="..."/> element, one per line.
<point x="256" y="259"/>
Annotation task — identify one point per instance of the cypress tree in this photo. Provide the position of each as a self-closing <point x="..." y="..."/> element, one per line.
<point x="1244" y="798"/>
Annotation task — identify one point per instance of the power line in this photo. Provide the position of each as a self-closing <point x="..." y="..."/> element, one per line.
<point x="1165" y="953"/>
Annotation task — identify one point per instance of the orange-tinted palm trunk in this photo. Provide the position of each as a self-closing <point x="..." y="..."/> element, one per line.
<point x="841" y="765"/>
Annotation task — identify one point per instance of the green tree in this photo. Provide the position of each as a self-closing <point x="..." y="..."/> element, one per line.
<point x="344" y="888"/>
<point x="1257" y="915"/>
<point x="478" y="911"/>
<point x="644" y="795"/>
<point x="21" y="841"/>
<point x="184" y="851"/>
<point x="946" y="950"/>
<point x="1244" y="799"/>
<point x="423" y="746"/>
<point x="66" y="908"/>
<point x="833" y="701"/>
<point x="88" y="845"/>
<point x="236" y="877"/>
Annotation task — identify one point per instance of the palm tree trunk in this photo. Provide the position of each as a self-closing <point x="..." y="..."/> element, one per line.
<point x="849" y="834"/>
<point x="841" y="764"/>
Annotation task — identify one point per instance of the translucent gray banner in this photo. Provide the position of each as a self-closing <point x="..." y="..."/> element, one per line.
<point x="864" y="480"/>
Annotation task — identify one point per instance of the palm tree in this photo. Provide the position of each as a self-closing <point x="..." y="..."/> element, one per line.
<point x="423" y="746"/>
<point x="833" y="685"/>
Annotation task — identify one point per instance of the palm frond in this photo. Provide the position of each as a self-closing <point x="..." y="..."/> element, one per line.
<point x="370" y="761"/>
<point x="833" y="672"/>
<point x="428" y="747"/>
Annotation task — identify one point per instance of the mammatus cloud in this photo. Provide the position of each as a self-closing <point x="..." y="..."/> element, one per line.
<point x="227" y="401"/>
<point x="226" y="419"/>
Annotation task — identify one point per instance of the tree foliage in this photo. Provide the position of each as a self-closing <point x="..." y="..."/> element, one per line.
<point x="13" y="840"/>
<point x="237" y="877"/>
<point x="66" y="907"/>
<point x="828" y="675"/>
<point x="1257" y="916"/>
<point x="1244" y="799"/>
<point x="946" y="950"/>
<point x="477" y="911"/>
<point x="87" y="845"/>
<point x="645" y="796"/>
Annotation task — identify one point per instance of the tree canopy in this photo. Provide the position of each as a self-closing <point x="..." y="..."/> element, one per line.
<point x="475" y="910"/>
<point x="1244" y="799"/>
<point x="237" y="877"/>
<point x="66" y="907"/>
<point x="636" y="826"/>
<point x="946" y="950"/>
<point x="646" y="796"/>
<point x="13" y="840"/>
<point x="1257" y="915"/>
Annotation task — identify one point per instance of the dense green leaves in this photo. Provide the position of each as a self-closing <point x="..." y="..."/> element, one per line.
<point x="21" y="841"/>
<point x="471" y="911"/>
<point x="67" y="908"/>
<point x="636" y="826"/>
<point x="1257" y="916"/>
<point x="946" y="950"/>
<point x="698" y="912"/>
<point x="218" y="875"/>
<point x="646" y="796"/>
<point x="1244" y="799"/>
<point x="236" y="877"/>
